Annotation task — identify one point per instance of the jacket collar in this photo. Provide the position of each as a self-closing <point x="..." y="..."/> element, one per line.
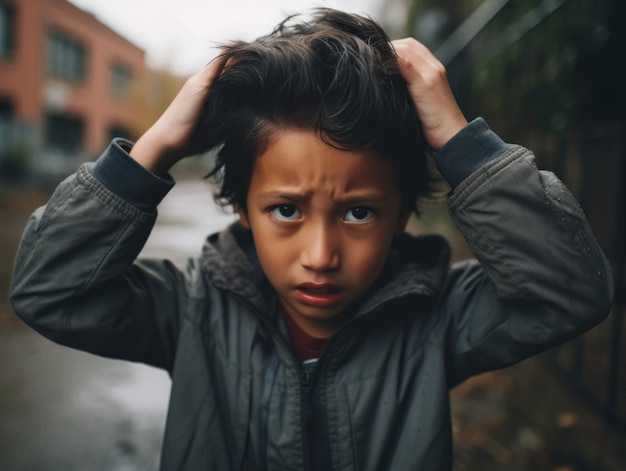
<point x="415" y="266"/>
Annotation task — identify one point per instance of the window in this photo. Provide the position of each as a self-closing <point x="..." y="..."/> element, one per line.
<point x="6" y="114"/>
<point x="65" y="57"/>
<point x="6" y="30"/>
<point x="121" y="80"/>
<point x="64" y="133"/>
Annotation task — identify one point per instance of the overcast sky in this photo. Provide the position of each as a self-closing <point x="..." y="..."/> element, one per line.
<point x="181" y="34"/>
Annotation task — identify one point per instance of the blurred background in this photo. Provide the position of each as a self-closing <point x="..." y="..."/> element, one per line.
<point x="545" y="73"/>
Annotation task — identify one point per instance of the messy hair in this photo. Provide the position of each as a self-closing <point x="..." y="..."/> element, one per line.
<point x="335" y="74"/>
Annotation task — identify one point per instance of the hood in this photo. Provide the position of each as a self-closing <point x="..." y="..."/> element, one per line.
<point x="415" y="266"/>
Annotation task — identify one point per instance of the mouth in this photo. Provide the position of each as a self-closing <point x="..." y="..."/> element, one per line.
<point x="319" y="295"/>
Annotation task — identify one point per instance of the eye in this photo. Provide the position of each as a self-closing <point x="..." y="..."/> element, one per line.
<point x="359" y="214"/>
<point x="286" y="212"/>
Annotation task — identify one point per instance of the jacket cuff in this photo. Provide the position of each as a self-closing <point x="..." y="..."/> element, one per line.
<point x="128" y="179"/>
<point x="471" y="148"/>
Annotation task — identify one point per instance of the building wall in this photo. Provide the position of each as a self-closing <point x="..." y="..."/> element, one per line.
<point x="20" y="71"/>
<point x="34" y="93"/>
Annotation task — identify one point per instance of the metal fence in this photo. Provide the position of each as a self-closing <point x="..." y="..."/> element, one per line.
<point x="547" y="73"/>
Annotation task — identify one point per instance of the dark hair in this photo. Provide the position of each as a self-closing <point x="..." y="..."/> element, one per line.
<point x="336" y="74"/>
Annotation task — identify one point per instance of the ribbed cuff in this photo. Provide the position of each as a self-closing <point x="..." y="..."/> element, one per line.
<point x="471" y="148"/>
<point x="125" y="177"/>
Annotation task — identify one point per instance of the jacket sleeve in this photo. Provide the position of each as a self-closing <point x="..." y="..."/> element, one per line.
<point x="540" y="279"/>
<point x="75" y="277"/>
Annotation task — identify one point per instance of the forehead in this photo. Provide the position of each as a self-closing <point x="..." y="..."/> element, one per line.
<point x="301" y="159"/>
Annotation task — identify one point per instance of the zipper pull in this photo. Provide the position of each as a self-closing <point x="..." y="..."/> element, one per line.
<point x="307" y="373"/>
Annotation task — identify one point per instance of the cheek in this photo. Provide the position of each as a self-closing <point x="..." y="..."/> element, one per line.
<point x="274" y="255"/>
<point x="367" y="260"/>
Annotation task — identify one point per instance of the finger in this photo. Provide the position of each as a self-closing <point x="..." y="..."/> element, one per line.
<point x="203" y="79"/>
<point x="415" y="60"/>
<point x="217" y="65"/>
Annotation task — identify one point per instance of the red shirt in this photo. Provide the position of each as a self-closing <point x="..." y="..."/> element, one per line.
<point x="307" y="347"/>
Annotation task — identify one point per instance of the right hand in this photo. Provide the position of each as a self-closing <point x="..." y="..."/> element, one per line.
<point x="427" y="80"/>
<point x="168" y="140"/>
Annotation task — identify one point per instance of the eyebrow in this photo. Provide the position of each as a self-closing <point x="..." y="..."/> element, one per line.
<point x="285" y="195"/>
<point x="364" y="198"/>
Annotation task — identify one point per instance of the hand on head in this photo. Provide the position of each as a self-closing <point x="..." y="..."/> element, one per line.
<point x="168" y="140"/>
<point x="438" y="111"/>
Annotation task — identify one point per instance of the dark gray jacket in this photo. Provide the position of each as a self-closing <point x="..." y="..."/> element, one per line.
<point x="379" y="396"/>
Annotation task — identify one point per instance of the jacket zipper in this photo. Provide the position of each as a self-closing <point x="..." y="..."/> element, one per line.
<point x="307" y="378"/>
<point x="316" y="449"/>
<point x="306" y="386"/>
<point x="316" y="446"/>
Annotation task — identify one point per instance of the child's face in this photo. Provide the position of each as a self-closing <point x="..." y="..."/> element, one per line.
<point x="322" y="221"/>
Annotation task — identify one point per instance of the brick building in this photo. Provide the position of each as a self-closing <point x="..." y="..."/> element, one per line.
<point x="68" y="83"/>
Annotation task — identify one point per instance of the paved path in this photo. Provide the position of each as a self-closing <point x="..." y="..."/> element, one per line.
<point x="70" y="411"/>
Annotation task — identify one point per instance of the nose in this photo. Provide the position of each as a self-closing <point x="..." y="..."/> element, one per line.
<point x="321" y="249"/>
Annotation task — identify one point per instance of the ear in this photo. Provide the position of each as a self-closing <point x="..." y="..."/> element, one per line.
<point x="243" y="216"/>
<point x="403" y="221"/>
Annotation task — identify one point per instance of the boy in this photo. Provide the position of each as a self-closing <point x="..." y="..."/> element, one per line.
<point x="315" y="334"/>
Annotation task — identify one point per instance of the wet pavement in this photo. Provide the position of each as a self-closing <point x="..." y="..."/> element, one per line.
<point x="65" y="410"/>
<point x="186" y="216"/>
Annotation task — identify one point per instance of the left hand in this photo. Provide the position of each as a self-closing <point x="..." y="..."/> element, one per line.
<point x="427" y="80"/>
<point x="169" y="139"/>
